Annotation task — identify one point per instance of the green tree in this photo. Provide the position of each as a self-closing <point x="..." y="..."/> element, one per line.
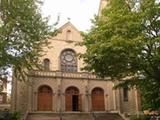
<point x="23" y="33"/>
<point x="125" y="41"/>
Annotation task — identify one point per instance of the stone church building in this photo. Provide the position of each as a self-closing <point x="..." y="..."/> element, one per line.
<point x="63" y="87"/>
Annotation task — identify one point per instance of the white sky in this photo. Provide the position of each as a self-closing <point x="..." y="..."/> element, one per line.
<point x="79" y="11"/>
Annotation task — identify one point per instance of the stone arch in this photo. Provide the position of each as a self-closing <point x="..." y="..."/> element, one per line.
<point x="44" y="99"/>
<point x="73" y="99"/>
<point x="68" y="60"/>
<point x="97" y="96"/>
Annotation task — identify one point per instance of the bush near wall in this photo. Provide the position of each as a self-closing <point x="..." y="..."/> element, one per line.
<point x="143" y="117"/>
<point x="6" y="115"/>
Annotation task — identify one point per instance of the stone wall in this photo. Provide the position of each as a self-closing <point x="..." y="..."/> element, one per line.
<point x="83" y="85"/>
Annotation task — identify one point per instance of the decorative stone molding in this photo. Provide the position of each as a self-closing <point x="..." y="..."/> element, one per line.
<point x="58" y="74"/>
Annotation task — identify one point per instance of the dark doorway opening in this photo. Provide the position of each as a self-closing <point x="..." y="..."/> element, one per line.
<point x="74" y="102"/>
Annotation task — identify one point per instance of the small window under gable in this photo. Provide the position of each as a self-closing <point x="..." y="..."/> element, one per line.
<point x="68" y="35"/>
<point x="46" y="64"/>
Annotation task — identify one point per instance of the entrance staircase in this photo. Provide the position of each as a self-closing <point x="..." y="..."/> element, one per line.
<point x="74" y="116"/>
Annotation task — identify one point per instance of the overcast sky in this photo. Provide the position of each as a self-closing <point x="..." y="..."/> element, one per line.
<point x="79" y="11"/>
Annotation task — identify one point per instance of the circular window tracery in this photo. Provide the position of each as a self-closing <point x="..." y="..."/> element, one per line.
<point x="68" y="61"/>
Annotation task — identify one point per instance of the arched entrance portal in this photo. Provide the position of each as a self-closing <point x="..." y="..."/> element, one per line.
<point x="73" y="99"/>
<point x="44" y="98"/>
<point x="98" y="99"/>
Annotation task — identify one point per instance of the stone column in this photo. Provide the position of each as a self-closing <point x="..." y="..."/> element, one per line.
<point x="59" y="91"/>
<point x="114" y="98"/>
<point x="14" y="95"/>
<point x="137" y="100"/>
<point x="30" y="90"/>
<point x="118" y="97"/>
<point x="87" y="96"/>
<point x="34" y="100"/>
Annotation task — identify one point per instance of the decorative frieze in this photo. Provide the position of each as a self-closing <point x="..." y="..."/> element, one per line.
<point x="58" y="74"/>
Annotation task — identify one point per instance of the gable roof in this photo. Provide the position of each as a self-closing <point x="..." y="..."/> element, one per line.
<point x="68" y="24"/>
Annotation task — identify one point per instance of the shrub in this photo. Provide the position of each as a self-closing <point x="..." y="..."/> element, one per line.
<point x="6" y="115"/>
<point x="142" y="117"/>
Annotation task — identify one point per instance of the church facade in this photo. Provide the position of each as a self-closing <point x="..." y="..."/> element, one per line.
<point x="63" y="87"/>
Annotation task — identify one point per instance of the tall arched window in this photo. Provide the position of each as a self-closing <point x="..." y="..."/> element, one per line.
<point x="125" y="94"/>
<point x="68" y="61"/>
<point x="46" y="64"/>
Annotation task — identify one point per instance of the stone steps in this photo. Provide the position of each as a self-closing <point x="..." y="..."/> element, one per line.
<point x="77" y="116"/>
<point x="108" y="116"/>
<point x="74" y="116"/>
<point x="43" y="116"/>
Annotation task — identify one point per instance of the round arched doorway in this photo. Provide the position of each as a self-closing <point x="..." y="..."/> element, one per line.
<point x="98" y="99"/>
<point x="73" y="99"/>
<point x="44" y="98"/>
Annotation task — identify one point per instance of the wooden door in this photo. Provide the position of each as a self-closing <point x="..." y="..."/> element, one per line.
<point x="45" y="99"/>
<point x="80" y="102"/>
<point x="68" y="102"/>
<point x="98" y="100"/>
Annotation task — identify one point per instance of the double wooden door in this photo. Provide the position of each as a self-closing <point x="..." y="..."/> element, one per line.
<point x="98" y="100"/>
<point x="44" y="98"/>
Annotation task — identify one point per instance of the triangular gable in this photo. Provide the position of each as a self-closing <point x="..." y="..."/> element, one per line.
<point x="75" y="34"/>
<point x="69" y="24"/>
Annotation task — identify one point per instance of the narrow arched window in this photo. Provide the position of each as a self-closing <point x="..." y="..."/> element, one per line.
<point x="125" y="94"/>
<point x="68" y="61"/>
<point x="46" y="64"/>
<point x="68" y="35"/>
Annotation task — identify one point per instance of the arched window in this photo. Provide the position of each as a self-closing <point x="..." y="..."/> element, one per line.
<point x="68" y="35"/>
<point x="46" y="64"/>
<point x="68" y="61"/>
<point x="125" y="94"/>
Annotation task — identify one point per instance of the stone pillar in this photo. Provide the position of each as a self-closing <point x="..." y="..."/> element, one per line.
<point x="59" y="92"/>
<point x="13" y="95"/>
<point x="106" y="102"/>
<point x="137" y="101"/>
<point x="118" y="100"/>
<point x="35" y="95"/>
<point x="87" y="96"/>
<point x="30" y="91"/>
<point x="114" y="98"/>
<point x="59" y="98"/>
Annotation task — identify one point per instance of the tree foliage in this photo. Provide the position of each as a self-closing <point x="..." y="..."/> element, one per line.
<point x="125" y="41"/>
<point x="23" y="33"/>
